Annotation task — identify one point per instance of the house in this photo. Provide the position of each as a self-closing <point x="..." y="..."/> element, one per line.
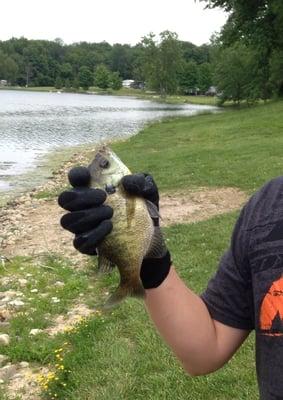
<point x="3" y="82"/>
<point x="212" y="91"/>
<point x="127" y="83"/>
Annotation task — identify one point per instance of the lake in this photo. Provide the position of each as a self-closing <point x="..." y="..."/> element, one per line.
<point x="35" y="123"/>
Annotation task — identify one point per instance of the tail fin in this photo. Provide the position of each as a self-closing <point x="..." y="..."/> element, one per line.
<point x="123" y="291"/>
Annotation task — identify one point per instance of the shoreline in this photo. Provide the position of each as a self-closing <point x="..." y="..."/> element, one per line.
<point x="127" y="92"/>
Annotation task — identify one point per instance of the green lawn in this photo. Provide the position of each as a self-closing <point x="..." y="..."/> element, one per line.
<point x="119" y="355"/>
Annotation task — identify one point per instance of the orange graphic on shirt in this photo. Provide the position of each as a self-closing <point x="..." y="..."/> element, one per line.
<point x="271" y="312"/>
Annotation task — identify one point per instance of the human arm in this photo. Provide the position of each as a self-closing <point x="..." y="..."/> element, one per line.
<point x="201" y="343"/>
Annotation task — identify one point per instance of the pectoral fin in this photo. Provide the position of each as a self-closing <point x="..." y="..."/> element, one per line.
<point x="104" y="265"/>
<point x="157" y="248"/>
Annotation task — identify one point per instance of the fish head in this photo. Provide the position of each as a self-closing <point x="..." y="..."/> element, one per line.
<point x="107" y="169"/>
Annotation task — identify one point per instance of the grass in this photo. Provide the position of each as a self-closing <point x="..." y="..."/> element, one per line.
<point x="238" y="148"/>
<point x="119" y="354"/>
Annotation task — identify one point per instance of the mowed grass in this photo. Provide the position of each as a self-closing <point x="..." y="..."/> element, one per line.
<point x="119" y="355"/>
<point x="240" y="148"/>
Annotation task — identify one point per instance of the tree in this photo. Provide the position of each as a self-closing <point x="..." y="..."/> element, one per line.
<point x="58" y="83"/>
<point x="188" y="78"/>
<point x="162" y="62"/>
<point x="121" y="60"/>
<point x="66" y="71"/>
<point x="8" y="68"/>
<point x="234" y="74"/>
<point x="259" y="25"/>
<point x="102" y="77"/>
<point x="85" y="77"/>
<point x="115" y="81"/>
<point x="276" y="72"/>
<point x="204" y="77"/>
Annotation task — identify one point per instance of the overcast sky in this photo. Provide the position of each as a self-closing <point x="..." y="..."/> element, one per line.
<point x="115" y="21"/>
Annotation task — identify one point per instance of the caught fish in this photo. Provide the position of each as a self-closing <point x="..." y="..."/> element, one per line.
<point x="134" y="235"/>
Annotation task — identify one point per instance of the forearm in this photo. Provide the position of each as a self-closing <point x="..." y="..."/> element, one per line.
<point x="184" y="322"/>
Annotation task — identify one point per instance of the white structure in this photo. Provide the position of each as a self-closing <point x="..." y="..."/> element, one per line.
<point x="127" y="83"/>
<point x="3" y="82"/>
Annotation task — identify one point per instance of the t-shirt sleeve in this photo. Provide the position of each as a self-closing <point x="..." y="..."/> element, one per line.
<point x="228" y="296"/>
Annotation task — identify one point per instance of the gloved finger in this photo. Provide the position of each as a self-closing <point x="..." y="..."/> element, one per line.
<point x="87" y="242"/>
<point x="134" y="184"/>
<point x="79" y="177"/>
<point x="80" y="199"/>
<point x="141" y="185"/>
<point x="85" y="220"/>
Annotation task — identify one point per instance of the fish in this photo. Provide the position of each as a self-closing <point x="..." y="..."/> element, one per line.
<point x="134" y="235"/>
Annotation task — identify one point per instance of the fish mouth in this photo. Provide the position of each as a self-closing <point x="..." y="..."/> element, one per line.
<point x="102" y="161"/>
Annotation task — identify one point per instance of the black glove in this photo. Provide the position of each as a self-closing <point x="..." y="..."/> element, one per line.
<point x="153" y="270"/>
<point x="89" y="219"/>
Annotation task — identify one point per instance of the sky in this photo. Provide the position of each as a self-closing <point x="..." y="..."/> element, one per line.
<point x="115" y="21"/>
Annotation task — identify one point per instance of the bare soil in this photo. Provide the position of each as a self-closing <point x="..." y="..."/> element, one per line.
<point x="40" y="230"/>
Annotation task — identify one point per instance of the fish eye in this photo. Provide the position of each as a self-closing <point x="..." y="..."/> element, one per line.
<point x="104" y="163"/>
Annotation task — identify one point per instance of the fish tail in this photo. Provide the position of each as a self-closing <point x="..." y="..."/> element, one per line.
<point x="123" y="291"/>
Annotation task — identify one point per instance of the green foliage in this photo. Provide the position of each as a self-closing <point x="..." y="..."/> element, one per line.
<point x="102" y="77"/>
<point x="276" y="72"/>
<point x="188" y="78"/>
<point x="8" y="68"/>
<point x="85" y="77"/>
<point x="235" y="72"/>
<point x="258" y="25"/>
<point x="204" y="77"/>
<point x="66" y="71"/>
<point x="38" y="63"/>
<point x="76" y="83"/>
<point x="115" y="81"/>
<point x="58" y="83"/>
<point x="162" y="62"/>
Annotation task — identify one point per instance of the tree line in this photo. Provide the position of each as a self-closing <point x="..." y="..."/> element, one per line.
<point x="52" y="63"/>
<point x="244" y="61"/>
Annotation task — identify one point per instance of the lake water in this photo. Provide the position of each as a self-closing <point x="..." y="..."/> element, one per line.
<point x="35" y="123"/>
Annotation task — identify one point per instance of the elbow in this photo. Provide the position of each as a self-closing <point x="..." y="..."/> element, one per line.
<point x="199" y="370"/>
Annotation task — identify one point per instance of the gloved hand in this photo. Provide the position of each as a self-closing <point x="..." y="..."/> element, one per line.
<point x="90" y="220"/>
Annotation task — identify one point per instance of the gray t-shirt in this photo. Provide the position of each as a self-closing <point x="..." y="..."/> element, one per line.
<point x="247" y="289"/>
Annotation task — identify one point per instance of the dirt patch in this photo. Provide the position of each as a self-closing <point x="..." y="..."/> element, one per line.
<point x="35" y="229"/>
<point x="64" y="323"/>
<point x="199" y="205"/>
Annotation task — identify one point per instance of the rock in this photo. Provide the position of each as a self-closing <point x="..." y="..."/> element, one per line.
<point x="5" y="300"/>
<point x="35" y="332"/>
<point x="24" y="364"/>
<point x="4" y="339"/>
<point x="3" y="360"/>
<point x="59" y="284"/>
<point x="55" y="300"/>
<point x="17" y="376"/>
<point x="7" y="372"/>
<point x="16" y="303"/>
<point x="23" y="282"/>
